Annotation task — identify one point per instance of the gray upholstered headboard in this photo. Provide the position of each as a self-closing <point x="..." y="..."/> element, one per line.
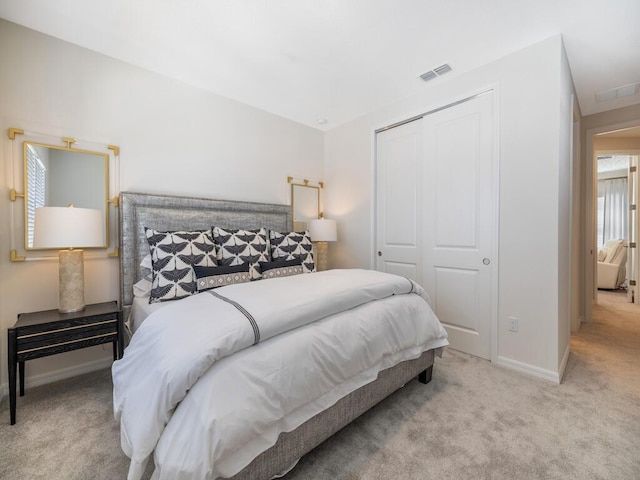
<point x="163" y="212"/>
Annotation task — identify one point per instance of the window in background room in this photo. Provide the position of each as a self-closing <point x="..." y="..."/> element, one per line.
<point x="613" y="198"/>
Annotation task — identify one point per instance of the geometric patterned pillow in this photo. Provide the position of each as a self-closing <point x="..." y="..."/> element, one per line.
<point x="173" y="255"/>
<point x="214" y="277"/>
<point x="236" y="247"/>
<point x="290" y="245"/>
<point x="281" y="268"/>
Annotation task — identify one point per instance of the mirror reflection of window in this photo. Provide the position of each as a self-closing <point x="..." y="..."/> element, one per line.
<point x="59" y="177"/>
<point x="36" y="183"/>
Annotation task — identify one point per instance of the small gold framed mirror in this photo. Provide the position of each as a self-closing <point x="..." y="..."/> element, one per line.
<point x="305" y="204"/>
<point x="59" y="176"/>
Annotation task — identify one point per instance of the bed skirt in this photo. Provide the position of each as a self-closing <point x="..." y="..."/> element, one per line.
<point x="293" y="445"/>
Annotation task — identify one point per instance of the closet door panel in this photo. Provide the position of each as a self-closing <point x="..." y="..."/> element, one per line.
<point x="456" y="188"/>
<point x="398" y="220"/>
<point x="436" y="215"/>
<point x="459" y="221"/>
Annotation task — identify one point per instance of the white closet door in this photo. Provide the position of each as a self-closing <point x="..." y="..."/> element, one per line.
<point x="459" y="226"/>
<point x="398" y="222"/>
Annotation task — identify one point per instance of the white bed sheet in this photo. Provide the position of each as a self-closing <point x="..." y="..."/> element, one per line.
<point x="140" y="310"/>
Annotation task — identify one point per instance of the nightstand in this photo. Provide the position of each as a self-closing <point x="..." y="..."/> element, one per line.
<point x="40" y="334"/>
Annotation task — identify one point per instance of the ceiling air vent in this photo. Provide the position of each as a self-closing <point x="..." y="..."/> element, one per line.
<point x="619" y="92"/>
<point x="442" y="69"/>
<point x="431" y="74"/>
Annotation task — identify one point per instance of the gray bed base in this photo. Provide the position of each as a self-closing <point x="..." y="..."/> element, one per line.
<point x="163" y="212"/>
<point x="293" y="445"/>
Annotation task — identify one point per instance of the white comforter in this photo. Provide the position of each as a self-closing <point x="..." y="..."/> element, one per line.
<point x="207" y="415"/>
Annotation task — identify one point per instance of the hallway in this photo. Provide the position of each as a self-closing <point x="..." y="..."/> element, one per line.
<point x="611" y="343"/>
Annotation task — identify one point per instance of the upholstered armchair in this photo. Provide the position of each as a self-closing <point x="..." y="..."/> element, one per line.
<point x="612" y="264"/>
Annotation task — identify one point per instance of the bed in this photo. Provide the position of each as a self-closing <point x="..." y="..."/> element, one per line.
<point x="267" y="437"/>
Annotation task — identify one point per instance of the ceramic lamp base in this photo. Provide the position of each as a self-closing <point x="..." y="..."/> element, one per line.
<point x="71" y="281"/>
<point x="321" y="255"/>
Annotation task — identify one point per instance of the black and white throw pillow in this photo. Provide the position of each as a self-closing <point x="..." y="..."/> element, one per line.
<point x="290" y="245"/>
<point x="236" y="247"/>
<point x="214" y="277"/>
<point x="281" y="268"/>
<point x="173" y="255"/>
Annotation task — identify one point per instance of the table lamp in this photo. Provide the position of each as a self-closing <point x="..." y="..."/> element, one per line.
<point x="69" y="229"/>
<point x="321" y="232"/>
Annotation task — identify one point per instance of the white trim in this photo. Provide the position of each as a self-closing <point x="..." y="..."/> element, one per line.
<point x="563" y="363"/>
<point x="57" y="375"/>
<point x="435" y="110"/>
<point x="384" y="121"/>
<point x="495" y="273"/>
<point x="529" y="369"/>
<point x="373" y="204"/>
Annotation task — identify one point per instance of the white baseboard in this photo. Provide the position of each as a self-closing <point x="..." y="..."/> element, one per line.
<point x="56" y="375"/>
<point x="529" y="369"/>
<point x="563" y="363"/>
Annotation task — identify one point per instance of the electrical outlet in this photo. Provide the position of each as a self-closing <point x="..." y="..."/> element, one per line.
<point x="513" y="324"/>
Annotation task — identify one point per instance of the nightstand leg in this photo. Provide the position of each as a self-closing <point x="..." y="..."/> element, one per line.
<point x="120" y="335"/>
<point x="21" y="371"/>
<point x="11" y="337"/>
<point x="115" y="350"/>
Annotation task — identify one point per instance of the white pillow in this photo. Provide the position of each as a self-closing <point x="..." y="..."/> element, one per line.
<point x="602" y="254"/>
<point x="146" y="267"/>
<point x="142" y="288"/>
<point x="612" y="251"/>
<point x="146" y="262"/>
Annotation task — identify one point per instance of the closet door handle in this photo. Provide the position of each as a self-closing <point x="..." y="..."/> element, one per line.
<point x="486" y="261"/>
<point x="379" y="253"/>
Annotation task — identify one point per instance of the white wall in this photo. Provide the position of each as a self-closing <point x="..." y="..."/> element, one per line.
<point x="532" y="92"/>
<point x="173" y="139"/>
<point x="565" y="213"/>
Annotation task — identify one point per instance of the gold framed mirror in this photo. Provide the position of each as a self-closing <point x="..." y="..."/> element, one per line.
<point x="50" y="171"/>
<point x="60" y="176"/>
<point x="305" y="203"/>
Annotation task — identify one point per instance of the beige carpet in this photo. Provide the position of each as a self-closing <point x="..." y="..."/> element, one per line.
<point x="473" y="421"/>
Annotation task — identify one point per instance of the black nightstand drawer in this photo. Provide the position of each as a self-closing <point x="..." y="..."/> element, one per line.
<point x="46" y="345"/>
<point x="28" y="341"/>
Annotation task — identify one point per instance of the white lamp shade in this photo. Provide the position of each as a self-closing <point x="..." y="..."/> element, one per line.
<point x="68" y="227"/>
<point x="323" y="230"/>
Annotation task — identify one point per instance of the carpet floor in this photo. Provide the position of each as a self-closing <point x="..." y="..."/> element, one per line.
<point x="473" y="421"/>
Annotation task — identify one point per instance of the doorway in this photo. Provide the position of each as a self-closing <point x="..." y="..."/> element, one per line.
<point x="616" y="235"/>
<point x="620" y="139"/>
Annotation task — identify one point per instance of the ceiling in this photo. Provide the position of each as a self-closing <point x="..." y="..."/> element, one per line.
<point x="309" y="60"/>
<point x="613" y="163"/>
<point x="631" y="132"/>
